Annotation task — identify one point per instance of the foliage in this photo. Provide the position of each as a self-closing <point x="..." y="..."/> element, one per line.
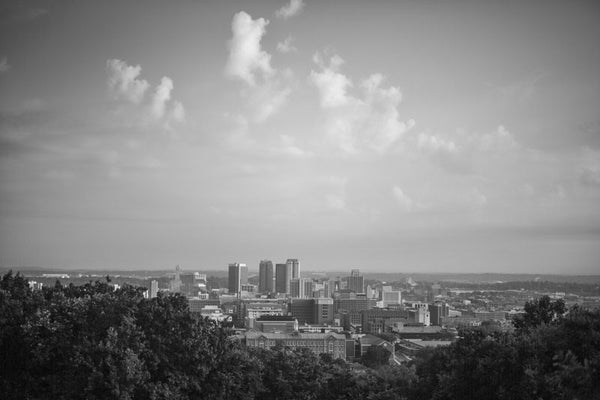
<point x="376" y="356"/>
<point x="93" y="342"/>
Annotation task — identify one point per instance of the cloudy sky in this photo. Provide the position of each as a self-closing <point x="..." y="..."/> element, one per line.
<point x="458" y="136"/>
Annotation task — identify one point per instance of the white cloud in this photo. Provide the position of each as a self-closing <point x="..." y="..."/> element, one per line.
<point x="290" y="10"/>
<point x="382" y="124"/>
<point x="265" y="100"/>
<point x="178" y="112"/>
<point x="286" y="46"/>
<point x="500" y="140"/>
<point x="354" y="123"/>
<point x="161" y="96"/>
<point x="266" y="89"/>
<point x="123" y="81"/>
<point x="435" y="144"/>
<point x="4" y="65"/>
<point x="331" y="84"/>
<point x="405" y="202"/>
<point x="246" y="57"/>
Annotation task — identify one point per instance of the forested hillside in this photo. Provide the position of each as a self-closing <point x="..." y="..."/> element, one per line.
<point x="93" y="342"/>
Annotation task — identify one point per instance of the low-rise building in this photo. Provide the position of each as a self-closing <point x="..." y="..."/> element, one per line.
<point x="320" y="343"/>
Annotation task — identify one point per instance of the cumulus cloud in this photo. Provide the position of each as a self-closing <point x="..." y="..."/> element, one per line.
<point x="435" y="144"/>
<point x="405" y="202"/>
<point x="289" y="10"/>
<point x="265" y="100"/>
<point x="357" y="122"/>
<point x="286" y="46"/>
<point x="266" y="89"/>
<point x="499" y="140"/>
<point x="4" y="65"/>
<point x="161" y="96"/>
<point x="123" y="81"/>
<point x="331" y="84"/>
<point x="246" y="57"/>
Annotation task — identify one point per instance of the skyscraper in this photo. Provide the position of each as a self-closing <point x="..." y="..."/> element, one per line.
<point x="295" y="267"/>
<point x="153" y="289"/>
<point x="238" y="275"/>
<point x="356" y="281"/>
<point x="265" y="276"/>
<point x="283" y="275"/>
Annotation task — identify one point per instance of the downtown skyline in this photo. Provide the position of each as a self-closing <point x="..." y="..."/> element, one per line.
<point x="460" y="136"/>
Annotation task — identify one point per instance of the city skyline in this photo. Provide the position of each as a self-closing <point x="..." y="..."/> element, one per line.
<point x="387" y="136"/>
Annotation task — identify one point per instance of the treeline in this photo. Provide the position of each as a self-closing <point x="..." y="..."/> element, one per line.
<point x="93" y="342"/>
<point x="584" y="289"/>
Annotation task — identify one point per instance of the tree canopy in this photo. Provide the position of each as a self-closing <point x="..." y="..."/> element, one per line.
<point x="94" y="342"/>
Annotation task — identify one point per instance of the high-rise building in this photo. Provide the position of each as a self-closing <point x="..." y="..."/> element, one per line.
<point x="238" y="276"/>
<point x="356" y="282"/>
<point x="153" y="289"/>
<point x="265" y="276"/>
<point x="283" y="275"/>
<point x="295" y="267"/>
<point x="308" y="286"/>
<point x="296" y="289"/>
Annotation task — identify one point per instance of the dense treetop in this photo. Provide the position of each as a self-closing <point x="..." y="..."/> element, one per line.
<point x="93" y="342"/>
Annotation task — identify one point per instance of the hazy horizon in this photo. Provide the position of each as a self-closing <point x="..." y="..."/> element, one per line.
<point x="456" y="137"/>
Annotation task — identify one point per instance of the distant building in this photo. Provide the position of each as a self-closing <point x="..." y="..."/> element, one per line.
<point x="276" y="324"/>
<point x="283" y="275"/>
<point x="238" y="276"/>
<point x="490" y="315"/>
<point x="368" y="341"/>
<point x="265" y="276"/>
<point x="391" y="297"/>
<point x="377" y="320"/>
<point x="437" y="311"/>
<point x="352" y="306"/>
<point x="356" y="282"/>
<point x="175" y="283"/>
<point x="153" y="289"/>
<point x="418" y="313"/>
<point x="214" y="313"/>
<point x="320" y="343"/>
<point x="312" y="311"/>
<point x="302" y="310"/>
<point x="294" y="265"/>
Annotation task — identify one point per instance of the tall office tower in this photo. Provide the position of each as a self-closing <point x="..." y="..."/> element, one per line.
<point x="265" y="276"/>
<point x="295" y="266"/>
<point x="308" y="286"/>
<point x="238" y="276"/>
<point x="296" y="289"/>
<point x="153" y="289"/>
<point x="283" y="275"/>
<point x="356" y="282"/>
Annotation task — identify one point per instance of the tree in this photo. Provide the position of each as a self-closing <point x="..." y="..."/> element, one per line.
<point x="540" y="311"/>
<point x="376" y="356"/>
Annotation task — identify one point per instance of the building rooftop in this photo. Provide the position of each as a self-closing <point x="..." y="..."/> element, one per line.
<point x="275" y="336"/>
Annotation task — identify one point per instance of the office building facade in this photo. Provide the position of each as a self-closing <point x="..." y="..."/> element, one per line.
<point x="238" y="276"/>
<point x="283" y="275"/>
<point x="265" y="277"/>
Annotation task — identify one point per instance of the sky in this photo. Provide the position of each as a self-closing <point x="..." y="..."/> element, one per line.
<point x="390" y="136"/>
